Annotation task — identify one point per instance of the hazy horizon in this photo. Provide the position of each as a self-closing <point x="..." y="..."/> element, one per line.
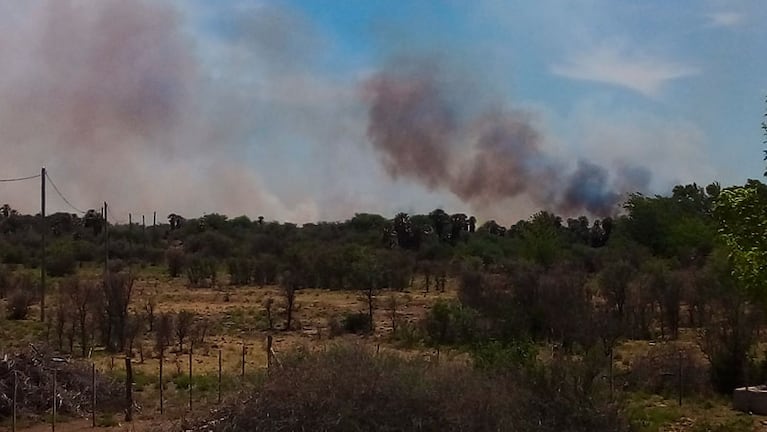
<point x="305" y="111"/>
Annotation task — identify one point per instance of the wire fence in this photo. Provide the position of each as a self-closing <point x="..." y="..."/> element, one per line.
<point x="55" y="385"/>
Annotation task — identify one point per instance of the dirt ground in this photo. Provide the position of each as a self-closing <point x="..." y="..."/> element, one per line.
<point x="236" y="319"/>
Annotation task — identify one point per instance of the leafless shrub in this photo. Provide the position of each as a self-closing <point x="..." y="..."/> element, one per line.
<point x="268" y="303"/>
<point x="18" y="305"/>
<point x="657" y="371"/>
<point x="350" y="388"/>
<point x="164" y="332"/>
<point x="183" y="326"/>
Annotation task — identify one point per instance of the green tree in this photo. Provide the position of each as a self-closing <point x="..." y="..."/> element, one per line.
<point x="742" y="215"/>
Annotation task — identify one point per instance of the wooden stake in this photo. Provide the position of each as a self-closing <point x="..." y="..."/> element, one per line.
<point x="612" y="382"/>
<point x="53" y="418"/>
<point x="15" y="387"/>
<point x="190" y="377"/>
<point x="162" y="384"/>
<point x="219" y="376"/>
<point x="128" y="389"/>
<point x="680" y="378"/>
<point x="93" y="396"/>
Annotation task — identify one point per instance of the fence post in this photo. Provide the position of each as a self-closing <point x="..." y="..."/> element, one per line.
<point x="128" y="389"/>
<point x="162" y="384"/>
<point x="219" y="375"/>
<point x="612" y="379"/>
<point x="243" y="360"/>
<point x="93" y="396"/>
<point x="190" y="377"/>
<point x="269" y="352"/>
<point x="680" y="377"/>
<point x="53" y="418"/>
<point x="15" y="387"/>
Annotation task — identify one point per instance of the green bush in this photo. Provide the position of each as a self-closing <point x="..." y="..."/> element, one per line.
<point x="358" y="322"/>
<point x="201" y="383"/>
<point x="496" y="355"/>
<point x="61" y="260"/>
<point x="450" y="323"/>
<point x="201" y="272"/>
<point x="175" y="259"/>
<point x="240" y="271"/>
<point x="408" y="335"/>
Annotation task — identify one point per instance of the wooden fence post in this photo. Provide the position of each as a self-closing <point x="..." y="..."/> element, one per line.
<point x="190" y="377"/>
<point x="243" y="360"/>
<point x="679" y="372"/>
<point x="93" y="396"/>
<point x="15" y="387"/>
<point x="219" y="375"/>
<point x="162" y="384"/>
<point x="128" y="389"/>
<point x="612" y="380"/>
<point x="53" y="418"/>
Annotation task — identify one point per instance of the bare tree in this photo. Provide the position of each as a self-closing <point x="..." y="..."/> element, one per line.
<point x="268" y="304"/>
<point x="200" y="330"/>
<point x="289" y="285"/>
<point x="184" y="321"/>
<point x="367" y="276"/>
<point x="118" y="288"/>
<point x="392" y="306"/>
<point x="163" y="332"/>
<point x="81" y="295"/>
<point x="132" y="331"/>
<point x="150" y="306"/>
<point x="61" y="322"/>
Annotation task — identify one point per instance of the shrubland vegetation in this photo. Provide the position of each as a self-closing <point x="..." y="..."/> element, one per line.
<point x="539" y="307"/>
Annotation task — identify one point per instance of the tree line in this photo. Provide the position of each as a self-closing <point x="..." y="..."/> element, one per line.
<point x="687" y="260"/>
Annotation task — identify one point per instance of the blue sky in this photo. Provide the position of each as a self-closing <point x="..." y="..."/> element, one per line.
<point x="275" y="99"/>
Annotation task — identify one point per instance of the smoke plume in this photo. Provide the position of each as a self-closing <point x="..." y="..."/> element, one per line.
<point x="483" y="155"/>
<point x="114" y="97"/>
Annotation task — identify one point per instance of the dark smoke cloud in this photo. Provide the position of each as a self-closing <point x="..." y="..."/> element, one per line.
<point x="483" y="157"/>
<point x="421" y="124"/>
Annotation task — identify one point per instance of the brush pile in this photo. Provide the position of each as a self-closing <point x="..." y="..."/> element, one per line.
<point x="34" y="371"/>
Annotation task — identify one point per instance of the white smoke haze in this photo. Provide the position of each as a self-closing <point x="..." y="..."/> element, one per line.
<point x="126" y="102"/>
<point x="114" y="98"/>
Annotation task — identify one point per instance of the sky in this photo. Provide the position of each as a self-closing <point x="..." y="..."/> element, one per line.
<point x="284" y="108"/>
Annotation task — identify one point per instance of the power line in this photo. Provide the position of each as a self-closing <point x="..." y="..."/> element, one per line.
<point x="19" y="178"/>
<point x="58" y="192"/>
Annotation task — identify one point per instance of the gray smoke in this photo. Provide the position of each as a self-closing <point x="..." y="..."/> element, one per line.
<point x="116" y="99"/>
<point x="482" y="155"/>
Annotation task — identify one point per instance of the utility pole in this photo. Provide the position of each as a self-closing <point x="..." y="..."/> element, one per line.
<point x="106" y="242"/>
<point x="44" y="227"/>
